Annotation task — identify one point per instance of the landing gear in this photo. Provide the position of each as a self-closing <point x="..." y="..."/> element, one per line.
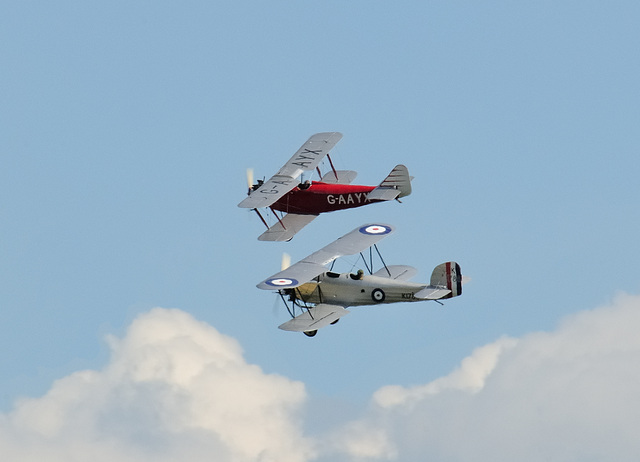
<point x="310" y="333"/>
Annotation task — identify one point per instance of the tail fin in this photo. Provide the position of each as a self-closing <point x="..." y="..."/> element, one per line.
<point x="448" y="275"/>
<point x="396" y="185"/>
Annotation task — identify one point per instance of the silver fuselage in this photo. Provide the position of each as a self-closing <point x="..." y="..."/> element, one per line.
<point x="345" y="290"/>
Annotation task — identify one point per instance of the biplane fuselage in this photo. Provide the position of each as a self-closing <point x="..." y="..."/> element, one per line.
<point x="322" y="197"/>
<point x="347" y="289"/>
<point x="322" y="295"/>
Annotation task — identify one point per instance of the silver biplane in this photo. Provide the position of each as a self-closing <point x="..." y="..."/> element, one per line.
<point x="322" y="296"/>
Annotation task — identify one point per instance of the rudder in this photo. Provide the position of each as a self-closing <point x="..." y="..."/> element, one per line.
<point x="448" y="275"/>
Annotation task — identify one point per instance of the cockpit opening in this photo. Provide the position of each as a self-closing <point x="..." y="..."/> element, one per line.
<point x="357" y="276"/>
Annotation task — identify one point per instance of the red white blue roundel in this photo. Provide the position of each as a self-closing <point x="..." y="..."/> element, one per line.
<point x="375" y="229"/>
<point x="282" y="282"/>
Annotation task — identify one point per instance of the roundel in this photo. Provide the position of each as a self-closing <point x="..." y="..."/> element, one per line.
<point x="282" y="282"/>
<point x="375" y="229"/>
<point x="377" y="295"/>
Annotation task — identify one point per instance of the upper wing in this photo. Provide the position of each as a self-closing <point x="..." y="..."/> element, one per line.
<point x="306" y="269"/>
<point x="306" y="158"/>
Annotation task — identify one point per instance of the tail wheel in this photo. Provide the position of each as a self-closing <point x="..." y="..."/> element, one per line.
<point x="377" y="295"/>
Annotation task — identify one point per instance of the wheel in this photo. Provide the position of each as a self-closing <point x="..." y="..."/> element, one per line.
<point x="377" y="295"/>
<point x="310" y="333"/>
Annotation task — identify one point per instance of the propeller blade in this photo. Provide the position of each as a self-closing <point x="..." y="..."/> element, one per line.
<point x="250" y="178"/>
<point x="276" y="305"/>
<point x="286" y="261"/>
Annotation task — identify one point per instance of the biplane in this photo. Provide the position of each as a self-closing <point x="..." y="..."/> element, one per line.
<point x="322" y="296"/>
<point x="301" y="202"/>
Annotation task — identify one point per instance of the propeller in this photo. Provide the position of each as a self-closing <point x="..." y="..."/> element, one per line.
<point x="276" y="305"/>
<point x="252" y="187"/>
<point x="286" y="261"/>
<point x="250" y="179"/>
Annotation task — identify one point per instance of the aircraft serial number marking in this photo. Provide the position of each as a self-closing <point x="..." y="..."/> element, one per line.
<point x="275" y="183"/>
<point x="355" y="198"/>
<point x="303" y="161"/>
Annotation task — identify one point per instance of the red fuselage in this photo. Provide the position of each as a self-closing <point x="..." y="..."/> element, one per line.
<point x="323" y="197"/>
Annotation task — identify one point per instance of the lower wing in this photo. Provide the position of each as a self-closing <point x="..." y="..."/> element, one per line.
<point x="315" y="318"/>
<point x="287" y="227"/>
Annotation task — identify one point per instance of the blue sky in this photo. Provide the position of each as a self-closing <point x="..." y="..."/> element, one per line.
<point x="126" y="130"/>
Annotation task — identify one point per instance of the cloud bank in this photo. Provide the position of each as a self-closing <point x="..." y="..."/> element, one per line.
<point x="177" y="389"/>
<point x="567" y="395"/>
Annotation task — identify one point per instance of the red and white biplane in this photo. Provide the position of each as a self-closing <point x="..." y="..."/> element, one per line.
<point x="303" y="202"/>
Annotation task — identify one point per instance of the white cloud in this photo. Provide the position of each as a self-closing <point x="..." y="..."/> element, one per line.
<point x="571" y="394"/>
<point x="176" y="389"/>
<point x="470" y="377"/>
<point x="362" y="441"/>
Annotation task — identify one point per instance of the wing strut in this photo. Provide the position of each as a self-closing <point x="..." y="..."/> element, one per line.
<point x="263" y="220"/>
<point x="382" y="260"/>
<point x="284" y="300"/>
<point x="332" y="167"/>
<point x="335" y="173"/>
<point x="292" y="310"/>
<point x="369" y="268"/>
<point x="294" y="301"/>
<point x="281" y="224"/>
